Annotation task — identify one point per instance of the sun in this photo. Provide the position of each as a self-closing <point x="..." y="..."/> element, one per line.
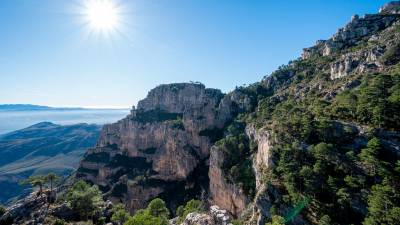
<point x="102" y="15"/>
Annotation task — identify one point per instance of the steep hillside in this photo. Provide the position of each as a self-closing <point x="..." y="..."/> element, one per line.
<point x="42" y="148"/>
<point x="323" y="141"/>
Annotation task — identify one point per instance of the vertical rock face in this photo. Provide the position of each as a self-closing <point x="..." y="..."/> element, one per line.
<point x="263" y="154"/>
<point x="162" y="148"/>
<point x="229" y="196"/>
<point x="224" y="194"/>
<point x="262" y="160"/>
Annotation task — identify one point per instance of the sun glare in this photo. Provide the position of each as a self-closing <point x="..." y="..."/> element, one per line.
<point x="102" y="15"/>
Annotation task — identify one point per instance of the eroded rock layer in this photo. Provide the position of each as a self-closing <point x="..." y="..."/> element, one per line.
<point x="161" y="149"/>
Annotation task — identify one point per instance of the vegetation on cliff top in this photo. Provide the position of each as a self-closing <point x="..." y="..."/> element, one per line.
<point x="331" y="142"/>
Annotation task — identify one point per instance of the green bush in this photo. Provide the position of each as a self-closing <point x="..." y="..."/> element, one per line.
<point x="392" y="55"/>
<point x="276" y="220"/>
<point x="236" y="148"/>
<point x="383" y="205"/>
<point x="59" y="222"/>
<point x="2" y="210"/>
<point x="84" y="199"/>
<point x="142" y="217"/>
<point x="120" y="215"/>
<point x="156" y="213"/>
<point x="190" y="207"/>
<point x="157" y="208"/>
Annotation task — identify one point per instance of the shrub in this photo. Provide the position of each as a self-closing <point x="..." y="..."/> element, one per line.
<point x="156" y="213"/>
<point x="142" y="217"/>
<point x="84" y="199"/>
<point x="2" y="210"/>
<point x="190" y="207"/>
<point x="392" y="55"/>
<point x="157" y="208"/>
<point x="59" y="222"/>
<point x="276" y="220"/>
<point x="120" y="216"/>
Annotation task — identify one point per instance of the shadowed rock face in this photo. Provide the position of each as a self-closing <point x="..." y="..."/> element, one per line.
<point x="162" y="148"/>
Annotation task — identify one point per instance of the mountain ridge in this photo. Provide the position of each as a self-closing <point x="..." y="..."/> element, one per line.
<point x="27" y="107"/>
<point x="41" y="148"/>
<point x="315" y="142"/>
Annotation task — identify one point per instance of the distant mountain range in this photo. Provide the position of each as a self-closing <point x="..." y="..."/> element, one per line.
<point x="26" y="107"/>
<point x="41" y="148"/>
<point x="29" y="107"/>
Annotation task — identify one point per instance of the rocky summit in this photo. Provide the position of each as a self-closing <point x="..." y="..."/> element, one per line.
<point x="162" y="148"/>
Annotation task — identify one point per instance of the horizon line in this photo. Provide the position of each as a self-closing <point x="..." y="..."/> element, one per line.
<point x="90" y="106"/>
<point x="74" y="106"/>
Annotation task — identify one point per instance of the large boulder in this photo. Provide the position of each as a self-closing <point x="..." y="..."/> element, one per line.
<point x="215" y="216"/>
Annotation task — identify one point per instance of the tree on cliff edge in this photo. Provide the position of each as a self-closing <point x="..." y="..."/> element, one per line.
<point x="35" y="181"/>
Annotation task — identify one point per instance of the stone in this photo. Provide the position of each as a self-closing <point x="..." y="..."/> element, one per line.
<point x="62" y="211"/>
<point x="343" y="67"/>
<point x="350" y="85"/>
<point x="31" y="207"/>
<point x="363" y="61"/>
<point x="215" y="216"/>
<point x="263" y="156"/>
<point x="198" y="219"/>
<point x="390" y="8"/>
<point x="162" y="146"/>
<point x="354" y="32"/>
<point x="223" y="193"/>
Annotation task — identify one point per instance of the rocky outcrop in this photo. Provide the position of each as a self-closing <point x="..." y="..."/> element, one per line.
<point x="162" y="148"/>
<point x="390" y="8"/>
<point x="262" y="159"/>
<point x="34" y="208"/>
<point x="198" y="219"/>
<point x="351" y="34"/>
<point x="231" y="197"/>
<point x="358" y="62"/>
<point x="362" y="31"/>
<point x="215" y="216"/>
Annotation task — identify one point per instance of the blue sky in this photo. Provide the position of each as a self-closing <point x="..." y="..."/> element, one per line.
<point x="48" y="58"/>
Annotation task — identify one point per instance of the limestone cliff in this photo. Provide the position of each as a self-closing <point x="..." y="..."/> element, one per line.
<point x="162" y="148"/>
<point x="357" y="46"/>
<point x="222" y="192"/>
